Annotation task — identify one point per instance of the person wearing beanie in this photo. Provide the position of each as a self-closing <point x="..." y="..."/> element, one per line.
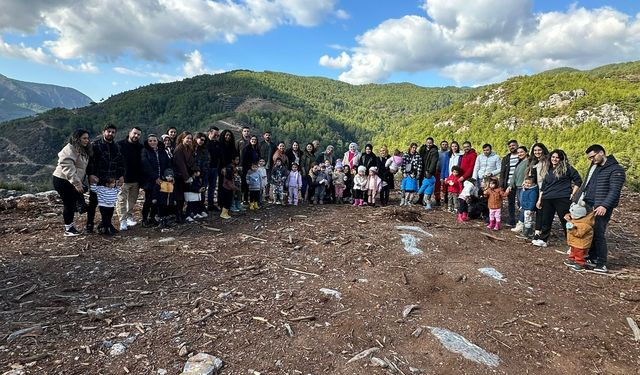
<point x="374" y="185"/>
<point x="165" y="198"/>
<point x="359" y="186"/>
<point x="579" y="235"/>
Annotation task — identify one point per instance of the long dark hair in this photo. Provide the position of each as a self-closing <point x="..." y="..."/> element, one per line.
<point x="451" y="150"/>
<point x="74" y="141"/>
<point x="223" y="137"/>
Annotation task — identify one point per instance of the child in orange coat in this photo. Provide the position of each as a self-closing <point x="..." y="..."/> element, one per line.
<point x="579" y="235"/>
<point x="494" y="195"/>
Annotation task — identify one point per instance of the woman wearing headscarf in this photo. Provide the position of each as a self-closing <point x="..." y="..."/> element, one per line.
<point x="352" y="157"/>
<point x="69" y="177"/>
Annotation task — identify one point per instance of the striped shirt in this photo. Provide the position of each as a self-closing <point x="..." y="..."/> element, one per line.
<point x="106" y="196"/>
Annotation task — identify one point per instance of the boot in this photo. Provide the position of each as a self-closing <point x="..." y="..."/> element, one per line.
<point x="427" y="206"/>
<point x="355" y="202"/>
<point x="89" y="228"/>
<point x="491" y="224"/>
<point x="519" y="227"/>
<point x="465" y="216"/>
<point x="361" y="203"/>
<point x="459" y="218"/>
<point x="528" y="232"/>
<point x="225" y="214"/>
<point x="496" y="226"/>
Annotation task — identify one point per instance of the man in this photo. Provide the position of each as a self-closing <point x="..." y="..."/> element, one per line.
<point x="429" y="154"/>
<point x="509" y="162"/>
<point x="131" y="149"/>
<point x="601" y="190"/>
<point x="267" y="149"/>
<point x="467" y="162"/>
<point x="443" y="161"/>
<point x="245" y="136"/>
<point x="106" y="162"/>
<point x="214" y="147"/>
<point x="488" y="164"/>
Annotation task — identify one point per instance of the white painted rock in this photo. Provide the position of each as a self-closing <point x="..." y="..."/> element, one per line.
<point x="202" y="364"/>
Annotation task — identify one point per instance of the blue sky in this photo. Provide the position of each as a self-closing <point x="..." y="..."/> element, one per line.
<point x="103" y="47"/>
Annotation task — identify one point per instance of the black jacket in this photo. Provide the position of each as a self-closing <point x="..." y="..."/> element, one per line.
<point x="504" y="170"/>
<point x="215" y="154"/>
<point x="430" y="158"/>
<point x="154" y="163"/>
<point x="608" y="184"/>
<point x="132" y="162"/>
<point x="107" y="161"/>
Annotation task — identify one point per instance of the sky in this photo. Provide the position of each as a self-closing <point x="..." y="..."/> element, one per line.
<point x="104" y="47"/>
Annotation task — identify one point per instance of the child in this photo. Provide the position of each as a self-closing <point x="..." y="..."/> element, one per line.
<point x="164" y="197"/>
<point x="192" y="196"/>
<point x="228" y="188"/>
<point x="294" y="182"/>
<point x="454" y="187"/>
<point x="320" y="182"/>
<point x="278" y="178"/>
<point x="469" y="189"/>
<point x="330" y="195"/>
<point x="264" y="182"/>
<point x="347" y="194"/>
<point x="427" y="188"/>
<point x="254" y="182"/>
<point x="528" y="199"/>
<point x="237" y="192"/>
<point x="394" y="162"/>
<point x="339" y="179"/>
<point x="494" y="195"/>
<point x="579" y="235"/>
<point x="359" y="186"/>
<point x="374" y="185"/>
<point x="107" y="196"/>
<point x="408" y="187"/>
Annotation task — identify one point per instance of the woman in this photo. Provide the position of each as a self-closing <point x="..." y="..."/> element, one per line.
<point x="201" y="159"/>
<point x="168" y="145"/>
<point x="519" y="174"/>
<point x="352" y="156"/>
<point x="250" y="155"/>
<point x="326" y="155"/>
<point x="228" y="146"/>
<point x="294" y="154"/>
<point x="154" y="163"/>
<point x="307" y="159"/>
<point x="280" y="154"/>
<point x="559" y="185"/>
<point x="385" y="175"/>
<point x="183" y="161"/>
<point x="538" y="166"/>
<point x="69" y="175"/>
<point x="411" y="160"/>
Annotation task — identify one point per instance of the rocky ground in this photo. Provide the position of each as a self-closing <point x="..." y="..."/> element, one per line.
<point x="305" y="290"/>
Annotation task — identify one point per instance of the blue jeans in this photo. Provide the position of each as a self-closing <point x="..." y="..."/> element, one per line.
<point x="212" y="180"/>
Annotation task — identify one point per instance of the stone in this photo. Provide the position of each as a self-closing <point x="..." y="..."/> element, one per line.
<point x="117" y="349"/>
<point x="202" y="364"/>
<point x="166" y="240"/>
<point x="331" y="292"/>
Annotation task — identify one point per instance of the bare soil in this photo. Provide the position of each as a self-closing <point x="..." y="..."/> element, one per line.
<point x="232" y="289"/>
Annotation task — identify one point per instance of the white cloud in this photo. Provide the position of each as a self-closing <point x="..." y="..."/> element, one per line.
<point x="194" y="65"/>
<point x="482" y="41"/>
<point x="98" y="30"/>
<point x="38" y="55"/>
<point x="342" y="14"/>
<point x="339" y="62"/>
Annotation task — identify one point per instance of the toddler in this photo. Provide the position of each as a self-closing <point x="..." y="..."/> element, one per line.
<point x="320" y="183"/>
<point x="192" y="196"/>
<point x="374" y="185"/>
<point x="237" y="183"/>
<point x="408" y="187"/>
<point x="339" y="180"/>
<point x="469" y="190"/>
<point x="427" y="188"/>
<point x="107" y="195"/>
<point x="164" y="198"/>
<point x="528" y="199"/>
<point x="394" y="162"/>
<point x="454" y="187"/>
<point x="254" y="182"/>
<point x="347" y="194"/>
<point x="579" y="235"/>
<point x="294" y="181"/>
<point x="494" y="195"/>
<point x="359" y="186"/>
<point x="264" y="182"/>
<point x="278" y="178"/>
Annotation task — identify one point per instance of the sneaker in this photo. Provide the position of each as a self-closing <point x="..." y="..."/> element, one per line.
<point x="578" y="268"/>
<point x="539" y="243"/>
<point x="131" y="222"/>
<point x="590" y="264"/>
<point x="519" y="227"/>
<point x="112" y="230"/>
<point x="124" y="226"/>
<point x="569" y="262"/>
<point x="89" y="228"/>
<point x="189" y="219"/>
<point x="203" y="214"/>
<point x="601" y="268"/>
<point x="71" y="232"/>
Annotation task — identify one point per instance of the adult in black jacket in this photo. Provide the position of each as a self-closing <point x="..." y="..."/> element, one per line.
<point x="294" y="154"/>
<point x="601" y="190"/>
<point x="385" y="175"/>
<point x="130" y="149"/>
<point x="106" y="162"/>
<point x="214" y="147"/>
<point x="430" y="157"/>
<point x="508" y="166"/>
<point x="368" y="160"/>
<point x="154" y="163"/>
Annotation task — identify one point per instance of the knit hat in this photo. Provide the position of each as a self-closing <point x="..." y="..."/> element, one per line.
<point x="362" y="169"/>
<point x="577" y="211"/>
<point x="168" y="172"/>
<point x="374" y="170"/>
<point x="339" y="163"/>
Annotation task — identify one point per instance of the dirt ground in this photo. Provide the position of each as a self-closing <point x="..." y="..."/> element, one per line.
<point x="248" y="292"/>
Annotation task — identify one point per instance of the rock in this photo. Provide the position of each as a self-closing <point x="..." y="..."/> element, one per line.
<point x="50" y="214"/>
<point x="379" y="362"/>
<point x="166" y="240"/>
<point x="35" y="330"/>
<point x="117" y="349"/>
<point x="202" y="364"/>
<point x="408" y="309"/>
<point x="107" y="344"/>
<point x="17" y="371"/>
<point x="331" y="292"/>
<point x="162" y="371"/>
<point x="166" y="315"/>
<point x="183" y="351"/>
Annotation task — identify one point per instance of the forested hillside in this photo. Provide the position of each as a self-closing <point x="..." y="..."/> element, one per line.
<point x="563" y="108"/>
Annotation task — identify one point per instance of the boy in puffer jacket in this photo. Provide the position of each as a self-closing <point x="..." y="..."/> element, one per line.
<point x="579" y="235"/>
<point x="528" y="199"/>
<point x="408" y="187"/>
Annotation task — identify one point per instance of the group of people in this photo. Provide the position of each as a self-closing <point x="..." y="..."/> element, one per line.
<point x="187" y="176"/>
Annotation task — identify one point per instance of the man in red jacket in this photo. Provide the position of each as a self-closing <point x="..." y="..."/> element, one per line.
<point x="467" y="161"/>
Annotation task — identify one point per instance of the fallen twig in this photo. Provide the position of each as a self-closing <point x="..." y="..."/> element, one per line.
<point x="64" y="256"/>
<point x="302" y="272"/>
<point x="31" y="290"/>
<point x="308" y="317"/>
<point x="492" y="236"/>
<point x="533" y="324"/>
<point x="363" y="354"/>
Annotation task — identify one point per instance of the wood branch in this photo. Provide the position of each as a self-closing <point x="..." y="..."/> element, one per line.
<point x="300" y="318"/>
<point x="363" y="354"/>
<point x="63" y="256"/>
<point x="302" y="272"/>
<point x="340" y="312"/>
<point x="232" y="312"/>
<point x="252" y="237"/>
<point x="533" y="324"/>
<point x="31" y="290"/>
<point x="493" y="237"/>
<point x="205" y="317"/>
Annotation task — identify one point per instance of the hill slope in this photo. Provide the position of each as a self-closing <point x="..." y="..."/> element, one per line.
<point x="21" y="99"/>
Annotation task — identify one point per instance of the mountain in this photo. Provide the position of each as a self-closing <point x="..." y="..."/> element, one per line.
<point x="564" y="108"/>
<point x="22" y="99"/>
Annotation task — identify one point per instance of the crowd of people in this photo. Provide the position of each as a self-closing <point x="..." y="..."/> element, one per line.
<point x="187" y="176"/>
